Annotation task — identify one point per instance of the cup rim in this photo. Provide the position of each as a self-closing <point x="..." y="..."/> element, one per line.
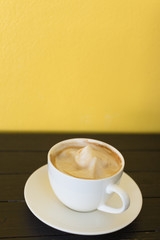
<point x="90" y="140"/>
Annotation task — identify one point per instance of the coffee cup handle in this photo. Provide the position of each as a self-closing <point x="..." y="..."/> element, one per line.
<point x="113" y="188"/>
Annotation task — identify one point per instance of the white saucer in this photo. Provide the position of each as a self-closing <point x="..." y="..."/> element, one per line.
<point x="43" y="203"/>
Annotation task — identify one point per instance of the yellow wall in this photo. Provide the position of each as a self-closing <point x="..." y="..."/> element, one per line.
<point x="80" y="65"/>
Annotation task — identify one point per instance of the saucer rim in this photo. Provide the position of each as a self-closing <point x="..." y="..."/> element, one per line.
<point x="89" y="233"/>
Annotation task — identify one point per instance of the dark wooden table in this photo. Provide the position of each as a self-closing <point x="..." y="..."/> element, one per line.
<point x="21" y="154"/>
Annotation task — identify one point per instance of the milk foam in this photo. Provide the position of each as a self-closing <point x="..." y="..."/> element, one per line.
<point x="87" y="162"/>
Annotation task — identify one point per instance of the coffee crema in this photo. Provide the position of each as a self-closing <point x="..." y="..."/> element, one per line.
<point x="89" y="162"/>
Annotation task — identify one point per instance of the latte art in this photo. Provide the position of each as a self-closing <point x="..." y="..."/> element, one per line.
<point x="88" y="162"/>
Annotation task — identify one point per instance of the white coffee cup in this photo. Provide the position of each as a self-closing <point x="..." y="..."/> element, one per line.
<point x="86" y="194"/>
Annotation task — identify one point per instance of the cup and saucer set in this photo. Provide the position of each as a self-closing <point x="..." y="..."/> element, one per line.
<point x="73" y="205"/>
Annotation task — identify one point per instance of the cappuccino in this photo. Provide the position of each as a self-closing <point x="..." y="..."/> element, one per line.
<point x="87" y="161"/>
<point x="84" y="172"/>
